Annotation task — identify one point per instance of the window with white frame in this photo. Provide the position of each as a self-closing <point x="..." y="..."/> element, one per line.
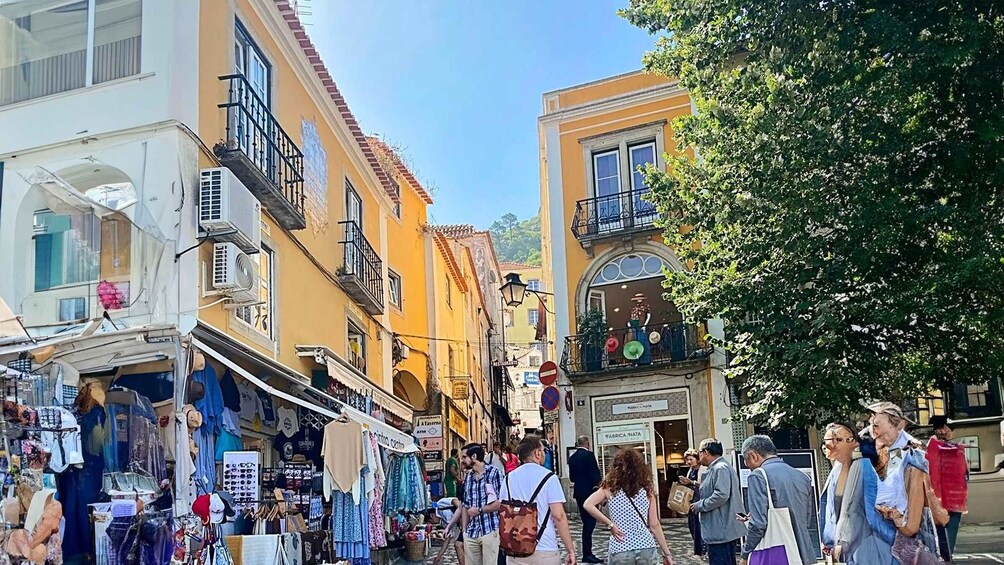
<point x="53" y="47"/>
<point x="356" y="347"/>
<point x="534" y="284"/>
<point x="260" y="316"/>
<point x="534" y="316"/>
<point x="396" y="297"/>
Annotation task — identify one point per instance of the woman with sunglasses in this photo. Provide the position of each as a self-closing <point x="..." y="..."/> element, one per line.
<point x="853" y="531"/>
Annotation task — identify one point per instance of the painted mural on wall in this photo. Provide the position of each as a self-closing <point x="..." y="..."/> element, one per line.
<point x="315" y="178"/>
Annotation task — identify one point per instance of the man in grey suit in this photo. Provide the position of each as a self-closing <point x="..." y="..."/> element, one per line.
<point x="721" y="501"/>
<point x="790" y="489"/>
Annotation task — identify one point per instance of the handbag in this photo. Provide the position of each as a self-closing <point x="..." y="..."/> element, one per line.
<point x="778" y="545"/>
<point x="910" y="551"/>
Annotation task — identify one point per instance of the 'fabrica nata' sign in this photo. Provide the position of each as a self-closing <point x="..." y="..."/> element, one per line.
<point x="614" y="435"/>
<point x="641" y="407"/>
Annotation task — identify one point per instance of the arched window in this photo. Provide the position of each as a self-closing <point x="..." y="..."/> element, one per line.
<point x="618" y="283"/>
<point x="636" y="266"/>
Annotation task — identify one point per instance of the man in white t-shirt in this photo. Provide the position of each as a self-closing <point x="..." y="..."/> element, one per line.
<point x="523" y="481"/>
<point x="496" y="458"/>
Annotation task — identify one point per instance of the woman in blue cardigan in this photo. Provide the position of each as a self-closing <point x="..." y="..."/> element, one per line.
<point x="853" y="531"/>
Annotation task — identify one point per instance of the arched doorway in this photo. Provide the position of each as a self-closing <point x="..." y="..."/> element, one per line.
<point x="408" y="388"/>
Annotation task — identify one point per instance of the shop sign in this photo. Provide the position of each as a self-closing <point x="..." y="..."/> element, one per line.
<point x="531" y="378"/>
<point x="614" y="435"/>
<point x="434" y="466"/>
<point x="436" y="476"/>
<point x="461" y="389"/>
<point x="428" y="420"/>
<point x="427" y="431"/>
<point x="432" y="456"/>
<point x="431" y="444"/>
<point x="640" y="407"/>
<point x="458" y="423"/>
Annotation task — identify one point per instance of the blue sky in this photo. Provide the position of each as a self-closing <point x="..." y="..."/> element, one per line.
<point x="458" y="84"/>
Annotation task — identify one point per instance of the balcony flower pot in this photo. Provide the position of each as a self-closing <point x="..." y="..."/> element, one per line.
<point x="592" y="334"/>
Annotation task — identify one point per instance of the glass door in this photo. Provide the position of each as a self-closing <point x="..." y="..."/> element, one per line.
<point x="641" y="156"/>
<point x="607" y="184"/>
<point x="671" y="439"/>
<point x="354" y="231"/>
<point x="612" y="439"/>
<point x="253" y="116"/>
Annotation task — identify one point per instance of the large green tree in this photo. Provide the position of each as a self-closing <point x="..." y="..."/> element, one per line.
<point x="845" y="210"/>
<point x="517" y="241"/>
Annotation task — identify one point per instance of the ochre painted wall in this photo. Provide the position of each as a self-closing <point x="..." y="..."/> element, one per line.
<point x="576" y="186"/>
<point x="310" y="308"/>
<point x="609" y="88"/>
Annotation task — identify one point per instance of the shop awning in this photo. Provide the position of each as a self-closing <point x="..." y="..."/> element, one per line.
<point x="503" y="415"/>
<point x="260" y="383"/>
<point x="341" y="371"/>
<point x="387" y="436"/>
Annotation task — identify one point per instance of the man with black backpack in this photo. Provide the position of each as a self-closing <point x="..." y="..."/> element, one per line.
<point x="532" y="513"/>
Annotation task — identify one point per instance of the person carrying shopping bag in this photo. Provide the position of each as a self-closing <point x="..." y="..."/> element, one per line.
<point x="780" y="508"/>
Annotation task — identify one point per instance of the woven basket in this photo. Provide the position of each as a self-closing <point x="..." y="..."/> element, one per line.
<point x="416" y="550"/>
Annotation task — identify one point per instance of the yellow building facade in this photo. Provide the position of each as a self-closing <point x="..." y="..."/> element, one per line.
<point x="631" y="370"/>
<point x="249" y="211"/>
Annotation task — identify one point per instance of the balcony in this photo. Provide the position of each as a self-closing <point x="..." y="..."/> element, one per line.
<point x="361" y="274"/>
<point x="613" y="215"/>
<point x="261" y="154"/>
<point x="677" y="342"/>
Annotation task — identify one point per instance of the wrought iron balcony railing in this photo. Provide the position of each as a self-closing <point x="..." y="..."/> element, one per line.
<point x="261" y="154"/>
<point x="613" y="214"/>
<point x="361" y="273"/>
<point x="661" y="344"/>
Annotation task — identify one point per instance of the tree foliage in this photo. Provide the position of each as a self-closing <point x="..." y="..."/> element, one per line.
<point x="517" y="241"/>
<point x="845" y="214"/>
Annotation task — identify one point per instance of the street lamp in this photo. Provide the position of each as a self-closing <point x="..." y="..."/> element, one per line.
<point x="514" y="290"/>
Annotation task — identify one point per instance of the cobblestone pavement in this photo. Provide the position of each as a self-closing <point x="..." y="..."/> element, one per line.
<point x="676" y="534"/>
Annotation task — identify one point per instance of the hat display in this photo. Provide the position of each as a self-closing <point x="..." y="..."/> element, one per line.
<point x="216" y="509"/>
<point x="228" y="503"/>
<point x="633" y="350"/>
<point x="654" y="337"/>
<point x="192" y="416"/>
<point x="612" y="344"/>
<point x="201" y="508"/>
<point x="889" y="409"/>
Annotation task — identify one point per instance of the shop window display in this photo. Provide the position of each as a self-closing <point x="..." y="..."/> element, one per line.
<point x="150" y="464"/>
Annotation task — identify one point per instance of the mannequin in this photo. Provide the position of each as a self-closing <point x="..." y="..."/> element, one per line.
<point x="641" y="315"/>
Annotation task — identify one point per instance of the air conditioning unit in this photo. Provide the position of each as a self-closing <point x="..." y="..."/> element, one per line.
<point x="235" y="273"/>
<point x="228" y="212"/>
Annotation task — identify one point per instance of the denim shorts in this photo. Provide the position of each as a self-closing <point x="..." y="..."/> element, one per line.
<point x="647" y="556"/>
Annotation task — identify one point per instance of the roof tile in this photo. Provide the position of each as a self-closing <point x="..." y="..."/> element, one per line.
<point x="296" y="27"/>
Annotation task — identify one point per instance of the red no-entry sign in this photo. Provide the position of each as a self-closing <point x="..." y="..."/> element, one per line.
<point x="548" y="373"/>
